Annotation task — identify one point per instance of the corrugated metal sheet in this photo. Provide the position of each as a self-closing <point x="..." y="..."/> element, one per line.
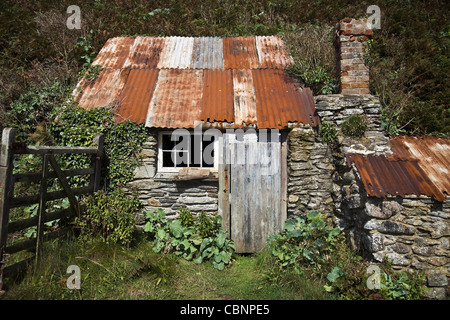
<point x="382" y="177"/>
<point x="103" y="91"/>
<point x="176" y="53"/>
<point x="136" y="95"/>
<point x="176" y="99"/>
<point x="208" y="53"/>
<point x="217" y="100"/>
<point x="240" y="53"/>
<point x="114" y="53"/>
<point x="280" y="100"/>
<point x="431" y="153"/>
<point x="272" y="53"/>
<point x="145" y="53"/>
<point x="244" y="98"/>
<point x="178" y="81"/>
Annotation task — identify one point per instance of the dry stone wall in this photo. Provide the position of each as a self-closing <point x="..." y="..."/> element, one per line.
<point x="336" y="108"/>
<point x="412" y="233"/>
<point x="310" y="169"/>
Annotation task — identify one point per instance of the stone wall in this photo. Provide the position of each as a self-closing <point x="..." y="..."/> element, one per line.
<point x="336" y="108"/>
<point x="163" y="191"/>
<point x="413" y="233"/>
<point x="310" y="169"/>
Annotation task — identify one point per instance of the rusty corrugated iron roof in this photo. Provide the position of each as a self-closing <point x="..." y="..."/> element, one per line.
<point x="172" y="82"/>
<point x="382" y="177"/>
<point x="176" y="99"/>
<point x="240" y="53"/>
<point x="145" y="53"/>
<point x="115" y="52"/>
<point x="244" y="98"/>
<point x="217" y="98"/>
<point x="194" y="53"/>
<point x="280" y="100"/>
<point x="431" y="153"/>
<point x="104" y="91"/>
<point x="272" y="53"/>
<point x="135" y="97"/>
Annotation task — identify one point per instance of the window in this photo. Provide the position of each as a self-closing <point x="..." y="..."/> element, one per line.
<point x="185" y="149"/>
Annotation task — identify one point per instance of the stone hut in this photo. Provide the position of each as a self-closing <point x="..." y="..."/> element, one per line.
<point x="231" y="132"/>
<point x="219" y="111"/>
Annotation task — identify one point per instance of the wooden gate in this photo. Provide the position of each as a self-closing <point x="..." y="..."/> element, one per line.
<point x="252" y="193"/>
<point x="8" y="201"/>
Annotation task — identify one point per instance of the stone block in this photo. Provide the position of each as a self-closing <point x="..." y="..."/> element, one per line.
<point x="373" y="242"/>
<point x="436" y="293"/>
<point x="144" y="172"/>
<point x="436" y="278"/>
<point x="389" y="227"/>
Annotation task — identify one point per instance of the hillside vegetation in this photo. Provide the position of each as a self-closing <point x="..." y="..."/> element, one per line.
<point x="408" y="56"/>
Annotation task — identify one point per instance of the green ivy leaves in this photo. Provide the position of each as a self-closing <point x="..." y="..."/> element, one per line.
<point x="77" y="126"/>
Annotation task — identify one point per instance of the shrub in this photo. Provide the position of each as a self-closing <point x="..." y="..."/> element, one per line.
<point x="304" y="242"/>
<point x="328" y="132"/>
<point x="198" y="239"/>
<point x="110" y="216"/>
<point x="354" y="126"/>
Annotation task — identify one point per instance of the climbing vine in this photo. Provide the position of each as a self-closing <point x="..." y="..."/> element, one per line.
<point x="77" y="126"/>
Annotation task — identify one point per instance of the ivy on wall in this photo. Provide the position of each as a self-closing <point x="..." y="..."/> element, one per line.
<point x="76" y="126"/>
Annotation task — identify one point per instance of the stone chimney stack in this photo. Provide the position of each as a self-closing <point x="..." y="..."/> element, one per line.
<point x="354" y="74"/>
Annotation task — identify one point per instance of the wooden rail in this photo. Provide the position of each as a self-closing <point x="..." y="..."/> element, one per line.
<point x="9" y="148"/>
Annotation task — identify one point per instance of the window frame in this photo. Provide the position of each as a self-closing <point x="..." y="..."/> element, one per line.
<point x="162" y="169"/>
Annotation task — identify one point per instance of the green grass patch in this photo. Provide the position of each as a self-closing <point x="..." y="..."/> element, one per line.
<point x="111" y="271"/>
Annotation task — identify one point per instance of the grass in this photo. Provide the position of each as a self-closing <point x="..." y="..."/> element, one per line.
<point x="112" y="272"/>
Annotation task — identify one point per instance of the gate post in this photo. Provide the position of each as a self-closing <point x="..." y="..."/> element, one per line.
<point x="98" y="142"/>
<point x="6" y="190"/>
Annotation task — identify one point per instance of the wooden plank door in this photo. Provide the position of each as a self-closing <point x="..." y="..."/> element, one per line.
<point x="256" y="192"/>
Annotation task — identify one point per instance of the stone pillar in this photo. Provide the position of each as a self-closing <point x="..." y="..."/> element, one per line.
<point x="352" y="35"/>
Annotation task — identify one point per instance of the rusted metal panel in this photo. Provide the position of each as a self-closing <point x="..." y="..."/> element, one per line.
<point x="104" y="91"/>
<point x="176" y="99"/>
<point x="431" y="153"/>
<point x="382" y="177"/>
<point x="272" y="53"/>
<point x="145" y="53"/>
<point x="225" y="88"/>
<point x="134" y="100"/>
<point x="208" y="53"/>
<point x="217" y="99"/>
<point x="244" y="98"/>
<point x="114" y="53"/>
<point x="240" y="53"/>
<point x="279" y="99"/>
<point x="176" y="53"/>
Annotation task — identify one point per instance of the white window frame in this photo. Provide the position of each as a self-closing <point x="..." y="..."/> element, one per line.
<point x="163" y="169"/>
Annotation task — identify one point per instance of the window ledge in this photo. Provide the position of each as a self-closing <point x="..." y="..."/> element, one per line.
<point x="186" y="174"/>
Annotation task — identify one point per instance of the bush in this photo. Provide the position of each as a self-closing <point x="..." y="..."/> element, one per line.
<point x="304" y="242"/>
<point x="354" y="126"/>
<point x="110" y="216"/>
<point x="198" y="239"/>
<point x="314" y="247"/>
<point x="328" y="132"/>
